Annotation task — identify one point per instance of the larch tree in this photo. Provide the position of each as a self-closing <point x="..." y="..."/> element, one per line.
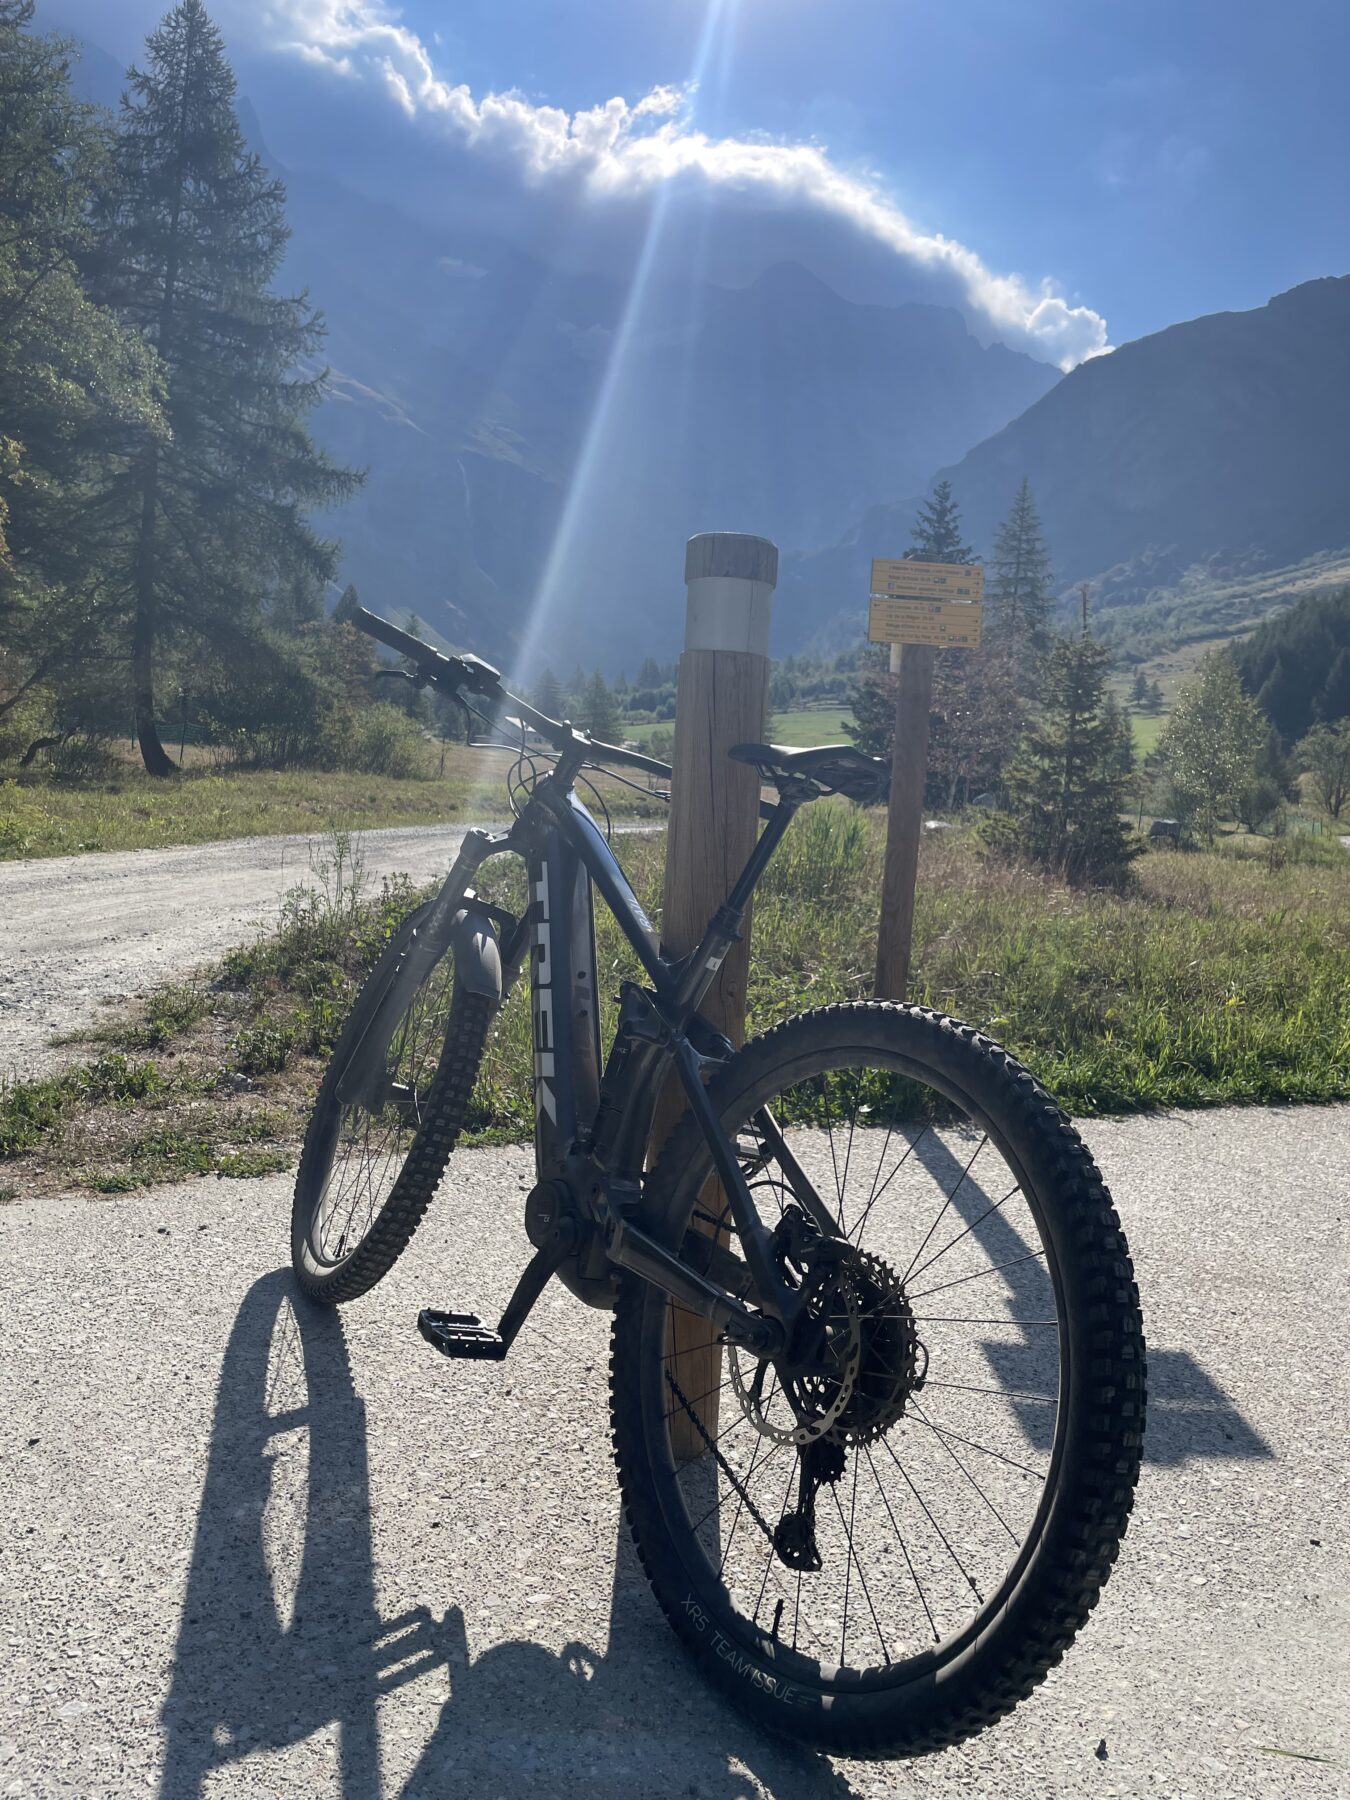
<point x="192" y="236"/>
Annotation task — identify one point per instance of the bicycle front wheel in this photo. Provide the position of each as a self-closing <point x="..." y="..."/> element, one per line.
<point x="881" y="1541"/>
<point x="368" y="1169"/>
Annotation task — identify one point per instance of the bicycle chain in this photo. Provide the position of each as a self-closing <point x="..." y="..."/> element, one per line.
<point x="721" y="1460"/>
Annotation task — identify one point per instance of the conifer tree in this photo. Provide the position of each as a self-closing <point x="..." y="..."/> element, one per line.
<point x="872" y="699"/>
<point x="1017" y="596"/>
<point x="599" y="709"/>
<point x="1068" y="783"/>
<point x="548" y="694"/>
<point x="936" y="538"/>
<point x="192" y="237"/>
<point x="937" y="531"/>
<point x="77" y="391"/>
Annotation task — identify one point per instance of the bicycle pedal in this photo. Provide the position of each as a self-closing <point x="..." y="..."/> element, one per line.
<point x="460" y="1334"/>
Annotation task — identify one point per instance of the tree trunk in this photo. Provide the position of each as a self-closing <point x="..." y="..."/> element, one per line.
<point x="153" y="754"/>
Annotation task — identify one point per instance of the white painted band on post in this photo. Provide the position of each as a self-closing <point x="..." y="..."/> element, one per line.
<point x="730" y="577"/>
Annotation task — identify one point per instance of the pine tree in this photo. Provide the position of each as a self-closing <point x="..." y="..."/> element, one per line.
<point x="872" y="701"/>
<point x="1068" y="784"/>
<point x="1018" y="593"/>
<point x="1140" y="691"/>
<point x="599" y="710"/>
<point x="192" y="237"/>
<point x="936" y="538"/>
<point x="937" y="531"/>
<point x="78" y="396"/>
<point x="548" y="695"/>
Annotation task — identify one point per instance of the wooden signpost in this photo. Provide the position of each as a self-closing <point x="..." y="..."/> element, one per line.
<point x="918" y="608"/>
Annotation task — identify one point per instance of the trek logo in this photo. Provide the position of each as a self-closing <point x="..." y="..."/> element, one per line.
<point x="544" y="1098"/>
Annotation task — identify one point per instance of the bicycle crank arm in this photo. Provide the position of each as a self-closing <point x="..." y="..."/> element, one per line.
<point x="465" y="1335"/>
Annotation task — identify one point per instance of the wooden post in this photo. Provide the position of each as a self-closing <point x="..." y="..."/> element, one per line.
<point x="721" y="700"/>
<point x="913" y="664"/>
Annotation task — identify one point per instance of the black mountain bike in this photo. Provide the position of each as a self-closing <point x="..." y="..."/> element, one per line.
<point x="878" y="1513"/>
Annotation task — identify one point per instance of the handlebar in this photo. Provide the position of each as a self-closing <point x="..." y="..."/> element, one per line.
<point x="456" y="675"/>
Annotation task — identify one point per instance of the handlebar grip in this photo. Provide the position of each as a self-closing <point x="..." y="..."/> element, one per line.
<point x="407" y="645"/>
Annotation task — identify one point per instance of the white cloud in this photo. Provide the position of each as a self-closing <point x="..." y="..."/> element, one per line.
<point x="623" y="150"/>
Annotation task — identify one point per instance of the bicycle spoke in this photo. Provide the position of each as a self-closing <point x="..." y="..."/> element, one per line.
<point x="966" y="1387"/>
<point x="942" y="1209"/>
<point x="966" y="1472"/>
<point x="856" y="1563"/>
<point x="970" y="1579"/>
<point x="941" y="1432"/>
<point x="911" y="1144"/>
<point x="928" y="1528"/>
<point x="904" y="1548"/>
<point x="1031" y="1256"/>
<point x="969" y="1228"/>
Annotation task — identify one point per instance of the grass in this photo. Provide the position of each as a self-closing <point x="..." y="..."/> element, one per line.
<point x="811" y="725"/>
<point x="1148" y="728"/>
<point x="1222" y="976"/>
<point x="806" y="725"/>
<point x="130" y="811"/>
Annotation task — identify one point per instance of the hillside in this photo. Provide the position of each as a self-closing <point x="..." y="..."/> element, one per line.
<point x="502" y="408"/>
<point x="1183" y="470"/>
<point x="531" y="433"/>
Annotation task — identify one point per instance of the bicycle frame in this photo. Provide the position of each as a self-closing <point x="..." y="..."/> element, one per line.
<point x="593" y="1120"/>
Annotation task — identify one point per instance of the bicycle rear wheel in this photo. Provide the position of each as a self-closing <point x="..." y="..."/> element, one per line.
<point x="881" y="1543"/>
<point x="367" y="1173"/>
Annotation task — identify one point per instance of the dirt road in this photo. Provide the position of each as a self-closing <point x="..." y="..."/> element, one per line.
<point x="79" y="931"/>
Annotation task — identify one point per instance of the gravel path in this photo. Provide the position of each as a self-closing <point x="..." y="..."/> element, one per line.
<point x="251" y="1549"/>
<point x="83" y="930"/>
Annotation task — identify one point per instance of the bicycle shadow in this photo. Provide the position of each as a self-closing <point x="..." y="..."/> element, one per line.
<point x="631" y="1722"/>
<point x="282" y="1647"/>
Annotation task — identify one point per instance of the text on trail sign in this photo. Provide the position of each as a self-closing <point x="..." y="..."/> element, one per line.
<point x="905" y="579"/>
<point x="946" y="624"/>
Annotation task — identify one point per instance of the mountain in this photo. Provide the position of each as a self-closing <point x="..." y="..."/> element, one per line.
<point x="540" y="442"/>
<point x="1216" y="448"/>
<point x="530" y="432"/>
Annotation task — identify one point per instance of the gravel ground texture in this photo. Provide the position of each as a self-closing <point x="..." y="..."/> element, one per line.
<point x="84" y="930"/>
<point x="255" y="1549"/>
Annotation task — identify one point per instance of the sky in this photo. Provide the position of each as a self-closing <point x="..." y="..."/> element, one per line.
<point x="1072" y="173"/>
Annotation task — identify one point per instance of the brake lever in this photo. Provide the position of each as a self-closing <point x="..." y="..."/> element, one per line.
<point x="399" y="675"/>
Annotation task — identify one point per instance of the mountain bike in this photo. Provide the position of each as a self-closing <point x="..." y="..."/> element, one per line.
<point x="877" y="1379"/>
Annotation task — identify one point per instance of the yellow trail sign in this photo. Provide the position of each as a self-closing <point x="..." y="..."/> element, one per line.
<point x="904" y="579"/>
<point x="946" y="624"/>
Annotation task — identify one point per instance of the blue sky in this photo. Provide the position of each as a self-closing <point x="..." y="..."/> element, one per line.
<point x="1136" y="161"/>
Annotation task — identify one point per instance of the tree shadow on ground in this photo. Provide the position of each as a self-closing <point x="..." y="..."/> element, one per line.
<point x="282" y="1647"/>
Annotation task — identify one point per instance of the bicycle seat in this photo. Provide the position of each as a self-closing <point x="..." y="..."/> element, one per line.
<point x="830" y="768"/>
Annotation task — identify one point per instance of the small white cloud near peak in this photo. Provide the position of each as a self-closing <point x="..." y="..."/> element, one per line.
<point x="632" y="150"/>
